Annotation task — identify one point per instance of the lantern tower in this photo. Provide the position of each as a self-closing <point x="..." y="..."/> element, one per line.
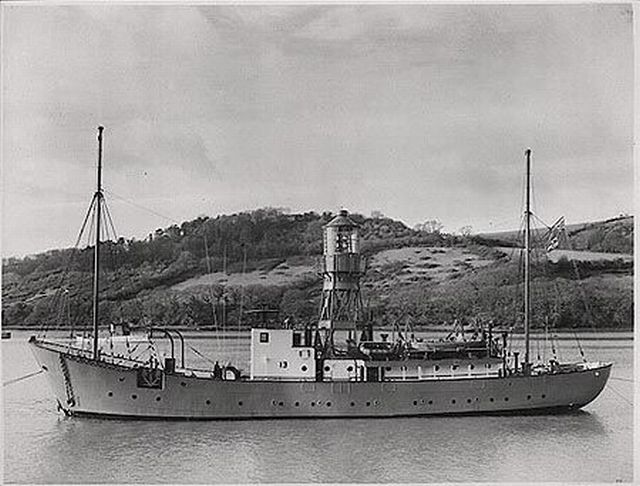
<point x="342" y="270"/>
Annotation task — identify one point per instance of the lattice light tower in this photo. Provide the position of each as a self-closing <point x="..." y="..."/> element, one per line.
<point x="341" y="300"/>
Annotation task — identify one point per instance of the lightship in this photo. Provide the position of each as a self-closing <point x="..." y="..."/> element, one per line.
<point x="333" y="368"/>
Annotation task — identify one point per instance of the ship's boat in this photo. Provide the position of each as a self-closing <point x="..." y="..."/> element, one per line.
<point x="332" y="368"/>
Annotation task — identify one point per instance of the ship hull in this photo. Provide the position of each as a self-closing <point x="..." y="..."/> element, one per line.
<point x="87" y="387"/>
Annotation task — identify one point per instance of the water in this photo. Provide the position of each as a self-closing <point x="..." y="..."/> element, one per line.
<point x="41" y="446"/>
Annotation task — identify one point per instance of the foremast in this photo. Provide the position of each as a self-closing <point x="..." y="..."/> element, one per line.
<point x="97" y="202"/>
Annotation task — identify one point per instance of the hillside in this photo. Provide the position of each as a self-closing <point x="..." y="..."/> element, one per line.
<point x="269" y="259"/>
<point x="613" y="235"/>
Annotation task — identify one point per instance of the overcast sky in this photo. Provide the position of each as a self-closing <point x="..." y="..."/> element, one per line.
<point x="418" y="111"/>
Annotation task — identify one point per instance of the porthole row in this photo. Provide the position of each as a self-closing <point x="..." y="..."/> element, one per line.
<point x="376" y="402"/>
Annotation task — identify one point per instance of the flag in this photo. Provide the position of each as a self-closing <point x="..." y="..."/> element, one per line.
<point x="552" y="238"/>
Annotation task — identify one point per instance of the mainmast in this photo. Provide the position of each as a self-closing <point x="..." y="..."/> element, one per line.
<point x="527" y="251"/>
<point x="97" y="199"/>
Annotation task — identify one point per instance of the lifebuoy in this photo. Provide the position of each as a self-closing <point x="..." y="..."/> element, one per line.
<point x="235" y="371"/>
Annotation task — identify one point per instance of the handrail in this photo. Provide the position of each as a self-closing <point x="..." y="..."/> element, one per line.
<point x="166" y="333"/>
<point x="84" y="353"/>
<point x="182" y="346"/>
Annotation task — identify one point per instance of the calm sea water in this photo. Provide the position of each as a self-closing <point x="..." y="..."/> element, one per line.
<point x="41" y="446"/>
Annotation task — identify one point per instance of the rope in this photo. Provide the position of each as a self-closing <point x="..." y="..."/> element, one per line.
<point x="623" y="379"/>
<point x="57" y="295"/>
<point x="139" y="206"/>
<point x="110" y="220"/>
<point x="620" y="395"/>
<point x="579" y="346"/>
<point x="16" y="380"/>
<point x="200" y="354"/>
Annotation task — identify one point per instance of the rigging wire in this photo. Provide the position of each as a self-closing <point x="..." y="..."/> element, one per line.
<point x="242" y="290"/>
<point x="110" y="219"/>
<point x="144" y="208"/>
<point x="557" y="290"/>
<point x="517" y="297"/>
<point x="16" y="380"/>
<point x="610" y="386"/>
<point x="211" y="296"/>
<point x="200" y="354"/>
<point x="57" y="294"/>
<point x="624" y="379"/>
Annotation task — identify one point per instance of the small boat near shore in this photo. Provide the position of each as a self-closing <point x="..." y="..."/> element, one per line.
<point x="336" y="367"/>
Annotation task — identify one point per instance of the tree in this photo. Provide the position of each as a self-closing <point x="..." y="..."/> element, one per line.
<point x="430" y="226"/>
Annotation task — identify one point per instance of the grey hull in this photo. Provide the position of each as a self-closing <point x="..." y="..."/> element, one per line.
<point x="86" y="387"/>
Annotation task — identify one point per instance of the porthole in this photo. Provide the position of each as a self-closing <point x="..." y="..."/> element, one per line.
<point x="349" y="369"/>
<point x="491" y="399"/>
<point x="121" y="379"/>
<point x="415" y="402"/>
<point x="454" y="367"/>
<point x="453" y="401"/>
<point x="313" y="404"/>
<point x="353" y="404"/>
<point x="274" y="403"/>
<point x="430" y="402"/>
<point x="544" y="396"/>
<point x="471" y="367"/>
<point x="281" y="404"/>
<point x="327" y="368"/>
<point x="182" y="383"/>
<point x="158" y="399"/>
<point x="528" y="397"/>
<point x="468" y="400"/>
<point x="240" y="404"/>
<point x="134" y="397"/>
<point x="297" y="404"/>
<point x="376" y="402"/>
<point x="506" y="399"/>
<point x="208" y="402"/>
<point x="436" y="367"/>
<point x="110" y="394"/>
<point x="368" y="404"/>
<point x="387" y="368"/>
<point x="328" y="404"/>
<point x="304" y="368"/>
<point x="488" y="365"/>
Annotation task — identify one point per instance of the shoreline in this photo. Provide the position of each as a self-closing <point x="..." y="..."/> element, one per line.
<point x="417" y="329"/>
